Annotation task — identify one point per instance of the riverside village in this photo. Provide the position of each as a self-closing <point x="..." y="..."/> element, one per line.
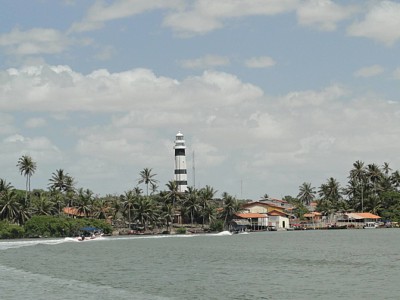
<point x="369" y="201"/>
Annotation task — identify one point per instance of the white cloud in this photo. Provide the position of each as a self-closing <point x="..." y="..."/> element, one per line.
<point x="396" y="73"/>
<point x="323" y="14"/>
<point x="59" y="89"/>
<point x="369" y="71"/>
<point x="35" y="122"/>
<point x="381" y="23"/>
<point x="100" y="12"/>
<point x="34" y="41"/>
<point x="6" y="124"/>
<point x="206" y="62"/>
<point x="124" y="122"/>
<point x="260" y="62"/>
<point x="207" y="15"/>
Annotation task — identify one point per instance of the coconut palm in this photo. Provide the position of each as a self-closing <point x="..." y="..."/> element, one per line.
<point x="358" y="182"/>
<point x="85" y="202"/>
<point x="167" y="214"/>
<point x="144" y="211"/>
<point x="230" y="207"/>
<point x="146" y="177"/>
<point x="395" y="179"/>
<point x="5" y="186"/>
<point x="27" y="167"/>
<point x="42" y="205"/>
<point x="191" y="202"/>
<point x="9" y="206"/>
<point x="206" y="195"/>
<point x="61" y="181"/>
<point x="306" y="193"/>
<point x="128" y="199"/>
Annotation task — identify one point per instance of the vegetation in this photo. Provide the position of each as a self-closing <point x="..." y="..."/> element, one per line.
<point x="63" y="208"/>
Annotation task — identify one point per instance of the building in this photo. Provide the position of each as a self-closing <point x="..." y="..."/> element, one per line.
<point x="275" y="215"/>
<point x="180" y="163"/>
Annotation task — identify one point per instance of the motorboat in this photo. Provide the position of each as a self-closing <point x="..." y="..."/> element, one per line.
<point x="370" y="225"/>
<point x="89" y="233"/>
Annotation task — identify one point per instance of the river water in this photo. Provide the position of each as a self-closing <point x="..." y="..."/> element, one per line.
<point x="316" y="264"/>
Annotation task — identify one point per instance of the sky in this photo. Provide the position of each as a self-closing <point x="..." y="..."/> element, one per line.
<point x="269" y="94"/>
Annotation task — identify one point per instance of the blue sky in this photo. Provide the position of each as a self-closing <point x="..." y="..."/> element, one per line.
<point x="268" y="93"/>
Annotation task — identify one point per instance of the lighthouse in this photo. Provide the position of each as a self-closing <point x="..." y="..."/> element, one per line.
<point x="180" y="163"/>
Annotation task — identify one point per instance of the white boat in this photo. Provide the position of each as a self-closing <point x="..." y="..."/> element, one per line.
<point x="89" y="233"/>
<point x="370" y="225"/>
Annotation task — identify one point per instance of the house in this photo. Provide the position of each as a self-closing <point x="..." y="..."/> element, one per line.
<point x="261" y="207"/>
<point x="358" y="219"/>
<point x="275" y="214"/>
<point x="278" y="220"/>
<point x="257" y="221"/>
<point x="313" y="217"/>
<point x="73" y="212"/>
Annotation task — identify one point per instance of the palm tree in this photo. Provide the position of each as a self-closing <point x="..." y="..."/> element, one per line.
<point x="5" y="186"/>
<point x="84" y="202"/>
<point x="230" y="207"/>
<point x="9" y="206"/>
<point x="146" y="177"/>
<point x="42" y="205"/>
<point x="386" y="169"/>
<point x="61" y="181"/>
<point x="167" y="214"/>
<point x="206" y="195"/>
<point x="191" y="202"/>
<point x="306" y="193"/>
<point x="358" y="181"/>
<point x="145" y="212"/>
<point x="173" y="195"/>
<point x="395" y="179"/>
<point x="27" y="167"/>
<point x="128" y="200"/>
<point x="330" y="196"/>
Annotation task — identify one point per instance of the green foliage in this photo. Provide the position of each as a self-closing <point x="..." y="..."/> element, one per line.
<point x="180" y="230"/>
<point x="217" y="225"/>
<point x="49" y="226"/>
<point x="10" y="231"/>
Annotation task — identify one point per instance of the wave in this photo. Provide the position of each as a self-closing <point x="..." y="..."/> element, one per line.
<point x="4" y="245"/>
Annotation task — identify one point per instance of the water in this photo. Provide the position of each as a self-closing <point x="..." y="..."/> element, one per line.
<point x="331" y="264"/>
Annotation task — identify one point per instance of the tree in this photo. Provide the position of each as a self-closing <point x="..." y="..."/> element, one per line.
<point x="61" y="181"/>
<point x="42" y="205"/>
<point x="206" y="195"/>
<point x="306" y="193"/>
<point x="230" y="207"/>
<point x="84" y="202"/>
<point x="358" y="183"/>
<point x="191" y="202"/>
<point x="5" y="186"/>
<point x="144" y="211"/>
<point x="9" y="206"/>
<point x="146" y="177"/>
<point x="27" y="167"/>
<point x="128" y="200"/>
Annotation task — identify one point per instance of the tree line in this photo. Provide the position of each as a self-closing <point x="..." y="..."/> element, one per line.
<point x="370" y="188"/>
<point x="155" y="210"/>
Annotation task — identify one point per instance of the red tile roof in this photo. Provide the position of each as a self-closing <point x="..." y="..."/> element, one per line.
<point x="251" y="215"/>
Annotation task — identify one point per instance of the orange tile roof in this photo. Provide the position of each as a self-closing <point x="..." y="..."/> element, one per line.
<point x="261" y="204"/>
<point x="73" y="211"/>
<point x="251" y="215"/>
<point x="368" y="216"/>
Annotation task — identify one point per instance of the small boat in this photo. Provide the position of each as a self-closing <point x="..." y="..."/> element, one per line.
<point x="370" y="225"/>
<point x="89" y="233"/>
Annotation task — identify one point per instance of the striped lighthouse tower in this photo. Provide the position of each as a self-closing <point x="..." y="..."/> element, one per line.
<point x="180" y="163"/>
